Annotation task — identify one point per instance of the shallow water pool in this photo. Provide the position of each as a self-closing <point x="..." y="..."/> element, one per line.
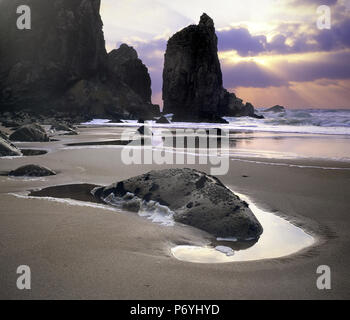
<point x="280" y="238"/>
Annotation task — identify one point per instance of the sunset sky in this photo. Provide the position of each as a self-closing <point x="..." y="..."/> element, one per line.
<point x="271" y="51"/>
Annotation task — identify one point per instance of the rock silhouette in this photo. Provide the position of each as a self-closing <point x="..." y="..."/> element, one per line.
<point x="61" y="64"/>
<point x="125" y="64"/>
<point x="192" y="79"/>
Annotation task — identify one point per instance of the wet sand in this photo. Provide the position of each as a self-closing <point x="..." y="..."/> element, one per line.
<point x="87" y="252"/>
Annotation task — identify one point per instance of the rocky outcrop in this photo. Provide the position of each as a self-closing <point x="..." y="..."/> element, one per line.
<point x="192" y="79"/>
<point x="197" y="199"/>
<point x="125" y="65"/>
<point x="61" y="64"/>
<point x="30" y="133"/>
<point x="32" y="170"/>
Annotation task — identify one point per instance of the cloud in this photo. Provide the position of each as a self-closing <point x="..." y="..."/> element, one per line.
<point x="282" y="72"/>
<point x="330" y="66"/>
<point x="250" y="74"/>
<point x="242" y="41"/>
<point x="335" y="38"/>
<point x="289" y="38"/>
<point x="312" y="2"/>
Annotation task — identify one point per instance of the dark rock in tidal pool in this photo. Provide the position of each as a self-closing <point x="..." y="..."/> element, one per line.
<point x="276" y="108"/>
<point x="163" y="120"/>
<point x="32" y="170"/>
<point x="8" y="149"/>
<point x="197" y="199"/>
<point x="30" y="133"/>
<point x="192" y="79"/>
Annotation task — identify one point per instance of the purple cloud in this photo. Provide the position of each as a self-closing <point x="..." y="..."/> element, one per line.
<point x="313" y="2"/>
<point x="250" y="74"/>
<point x="246" y="44"/>
<point x="331" y="66"/>
<point x="242" y="41"/>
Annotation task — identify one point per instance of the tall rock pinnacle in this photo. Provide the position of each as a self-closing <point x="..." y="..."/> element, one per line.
<point x="192" y="79"/>
<point x="125" y="64"/>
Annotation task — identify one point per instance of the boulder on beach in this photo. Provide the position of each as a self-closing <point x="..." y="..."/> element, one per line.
<point x="276" y="108"/>
<point x="8" y="149"/>
<point x="61" y="126"/>
<point x="30" y="133"/>
<point x="32" y="170"/>
<point x="197" y="199"/>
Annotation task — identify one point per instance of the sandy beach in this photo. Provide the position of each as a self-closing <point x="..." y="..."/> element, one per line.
<point x="79" y="251"/>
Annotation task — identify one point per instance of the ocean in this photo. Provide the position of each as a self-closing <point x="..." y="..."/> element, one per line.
<point x="313" y="134"/>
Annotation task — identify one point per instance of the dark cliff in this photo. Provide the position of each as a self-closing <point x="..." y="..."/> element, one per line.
<point x="61" y="63"/>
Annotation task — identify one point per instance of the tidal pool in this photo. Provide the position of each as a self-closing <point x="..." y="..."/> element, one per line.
<point x="280" y="238"/>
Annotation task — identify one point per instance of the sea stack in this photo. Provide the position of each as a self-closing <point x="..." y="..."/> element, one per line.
<point x="192" y="79"/>
<point x="125" y="64"/>
<point x="61" y="64"/>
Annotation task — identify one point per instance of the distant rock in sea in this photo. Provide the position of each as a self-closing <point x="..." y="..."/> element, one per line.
<point x="192" y="79"/>
<point x="197" y="199"/>
<point x="61" y="64"/>
<point x="276" y="108"/>
<point x="32" y="170"/>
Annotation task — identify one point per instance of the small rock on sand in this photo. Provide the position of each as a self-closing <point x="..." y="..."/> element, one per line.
<point x="32" y="170"/>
